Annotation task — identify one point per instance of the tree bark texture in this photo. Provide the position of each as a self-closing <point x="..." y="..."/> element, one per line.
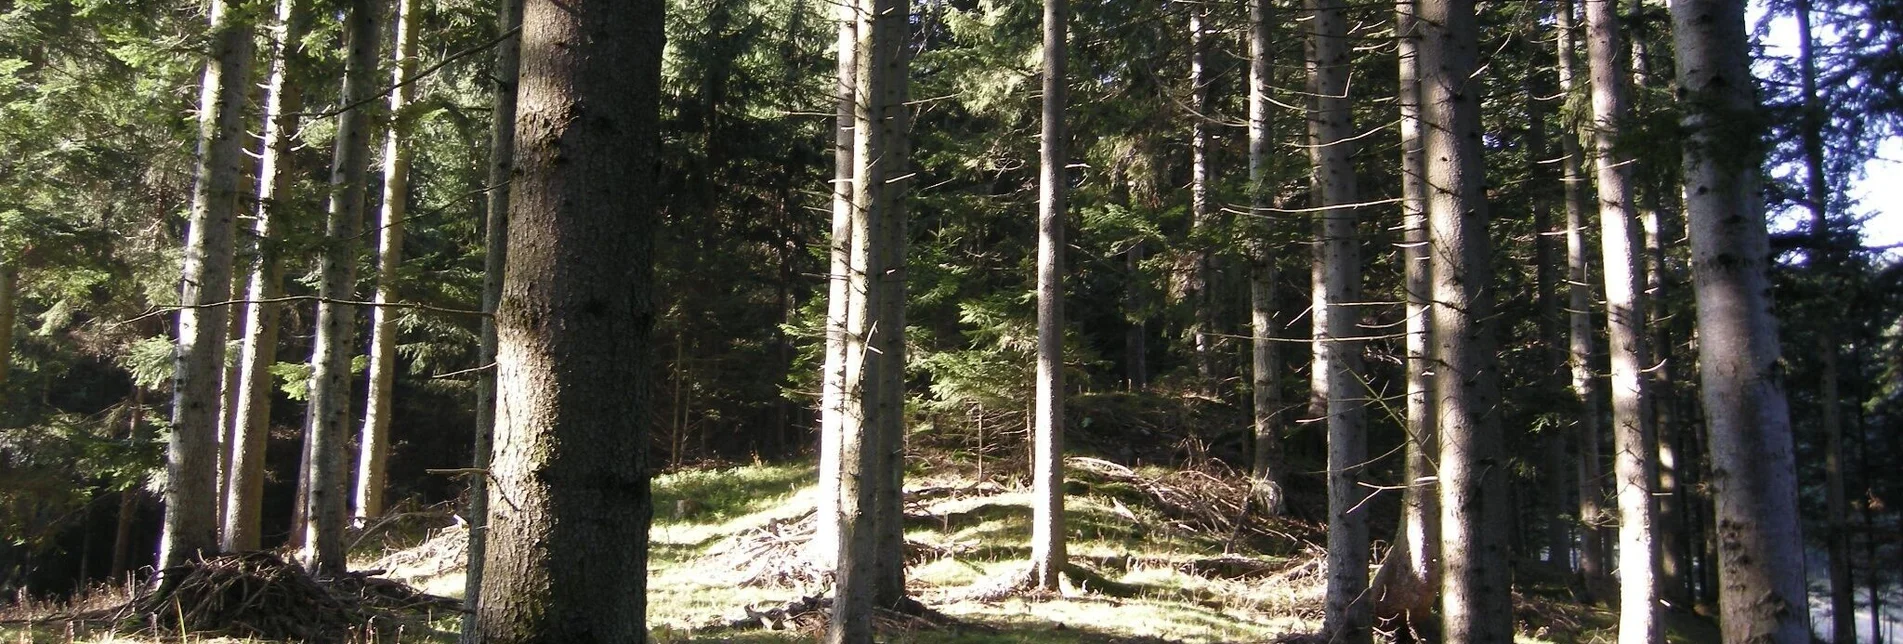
<point x="1591" y="474"/>
<point x="1753" y="471"/>
<point x="1337" y="369"/>
<point x="1409" y="578"/>
<point x="191" y="463"/>
<point x="329" y="417"/>
<point x="494" y="265"/>
<point x="374" y="444"/>
<point x="1265" y="360"/>
<point x="823" y="551"/>
<point x="251" y="423"/>
<point x="1634" y="441"/>
<point x="570" y="505"/>
<point x="870" y="562"/>
<point x="1476" y="604"/>
<point x="1047" y="522"/>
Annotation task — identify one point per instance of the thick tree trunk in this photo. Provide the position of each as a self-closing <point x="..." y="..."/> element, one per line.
<point x="1408" y="581"/>
<point x="1634" y="440"/>
<point x="191" y="504"/>
<point x="329" y="417"/>
<point x="1591" y="472"/>
<point x="870" y="562"/>
<point x="1265" y="360"/>
<point x="1337" y="354"/>
<point x="1476" y="604"/>
<point x="567" y="555"/>
<point x="1047" y="464"/>
<point x="374" y="444"/>
<point x="1754" y="475"/>
<point x="251" y="423"/>
<point x="823" y="550"/>
<point x="494" y="264"/>
<point x="1203" y="338"/>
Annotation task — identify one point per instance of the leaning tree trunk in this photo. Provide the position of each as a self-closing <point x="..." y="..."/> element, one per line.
<point x="1633" y="436"/>
<point x="1754" y="474"/>
<point x="567" y="553"/>
<point x="1265" y="360"/>
<point x="1337" y="370"/>
<point x="1591" y="473"/>
<point x="1476" y="605"/>
<point x="1408" y="581"/>
<point x="1047" y="522"/>
<point x="329" y="417"/>
<point x="823" y="551"/>
<point x="494" y="264"/>
<point x="374" y="444"/>
<point x="251" y="424"/>
<point x="191" y="503"/>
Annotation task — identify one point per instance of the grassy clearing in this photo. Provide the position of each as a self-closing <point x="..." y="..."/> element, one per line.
<point x="1155" y="571"/>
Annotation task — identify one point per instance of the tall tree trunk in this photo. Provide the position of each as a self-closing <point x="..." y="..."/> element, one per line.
<point x="1559" y="539"/>
<point x="374" y="444"/>
<point x="1265" y="360"/>
<point x="1408" y="581"/>
<point x="329" y="417"/>
<point x="251" y="424"/>
<point x="1591" y="472"/>
<point x="567" y="556"/>
<point x="129" y="499"/>
<point x="870" y="564"/>
<point x="1843" y="602"/>
<point x="1202" y="333"/>
<point x="1476" y="606"/>
<point x="1337" y="354"/>
<point x="1754" y="474"/>
<point x="1047" y="523"/>
<point x="191" y="504"/>
<point x="1633" y="437"/>
<point x="823" y="550"/>
<point x="9" y="305"/>
<point x="494" y="264"/>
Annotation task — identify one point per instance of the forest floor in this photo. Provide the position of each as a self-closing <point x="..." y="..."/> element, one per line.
<point x="1160" y="558"/>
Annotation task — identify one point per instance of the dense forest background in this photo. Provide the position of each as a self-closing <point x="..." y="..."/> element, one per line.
<point x="1166" y="230"/>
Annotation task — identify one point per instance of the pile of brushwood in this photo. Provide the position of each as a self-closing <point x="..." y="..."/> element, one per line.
<point x="259" y="595"/>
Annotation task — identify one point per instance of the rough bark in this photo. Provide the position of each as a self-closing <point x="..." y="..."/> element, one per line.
<point x="823" y="551"/>
<point x="870" y="564"/>
<point x="251" y="422"/>
<point x="1408" y="581"/>
<point x="1591" y="471"/>
<point x="494" y="264"/>
<point x="1754" y="479"/>
<point x="1337" y="370"/>
<point x="1476" y="603"/>
<point x="329" y="417"/>
<point x="570" y="504"/>
<point x="373" y="444"/>
<point x="1047" y="463"/>
<point x="1633" y="437"/>
<point x="1265" y="361"/>
<point x="191" y="463"/>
